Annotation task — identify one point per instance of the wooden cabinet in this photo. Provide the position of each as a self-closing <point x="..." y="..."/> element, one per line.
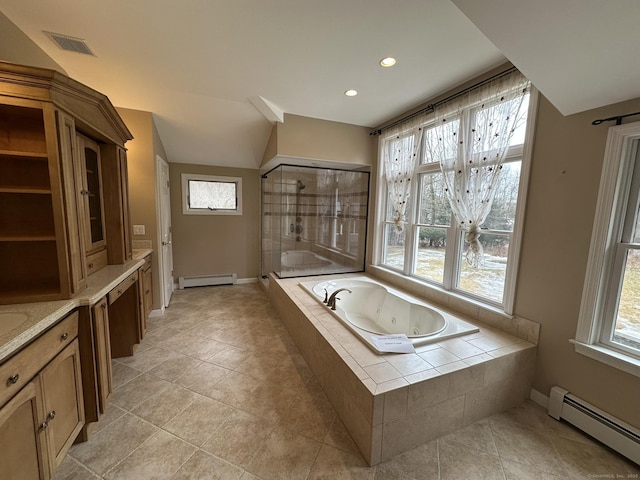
<point x="23" y="449"/>
<point x="63" y="404"/>
<point x="124" y="317"/>
<point x="146" y="293"/>
<point x="29" y="219"/>
<point x="42" y="234"/>
<point x="91" y="191"/>
<point x="116" y="197"/>
<point x="73" y="206"/>
<point x="102" y="342"/>
<point x="41" y="409"/>
<point x="95" y="354"/>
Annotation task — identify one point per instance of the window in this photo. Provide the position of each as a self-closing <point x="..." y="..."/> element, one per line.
<point x="609" y="321"/>
<point x="432" y="248"/>
<point x="210" y="195"/>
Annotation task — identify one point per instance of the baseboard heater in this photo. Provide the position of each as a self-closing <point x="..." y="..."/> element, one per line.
<point x="614" y="433"/>
<point x="207" y="280"/>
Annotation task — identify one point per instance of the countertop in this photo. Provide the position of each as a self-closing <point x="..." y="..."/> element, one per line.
<point x="42" y="315"/>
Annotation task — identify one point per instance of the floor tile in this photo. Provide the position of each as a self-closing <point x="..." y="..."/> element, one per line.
<point x="203" y="378"/>
<point x="525" y="445"/>
<point x="138" y="390"/>
<point x="284" y="456"/>
<point x="122" y="374"/>
<point x="158" y="458"/>
<point x="202" y="466"/>
<point x="421" y="463"/>
<point x="460" y="461"/>
<point x="239" y="438"/>
<point x="177" y="366"/>
<point x="199" y="420"/>
<point x="165" y="405"/>
<point x="113" y="443"/>
<point x="70" y="469"/>
<point x="334" y="464"/>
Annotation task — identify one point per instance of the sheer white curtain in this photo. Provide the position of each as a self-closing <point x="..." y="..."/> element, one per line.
<point x="400" y="157"/>
<point x="470" y="140"/>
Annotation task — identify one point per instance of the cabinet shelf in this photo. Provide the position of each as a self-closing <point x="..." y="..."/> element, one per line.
<point x="30" y="190"/>
<point x="24" y="153"/>
<point x="28" y="238"/>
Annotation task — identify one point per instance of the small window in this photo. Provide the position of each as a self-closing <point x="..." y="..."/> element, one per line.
<point x="211" y="195"/>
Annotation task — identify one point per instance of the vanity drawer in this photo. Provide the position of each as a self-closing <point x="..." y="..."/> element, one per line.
<point x="122" y="287"/>
<point x="96" y="261"/>
<point x="18" y="370"/>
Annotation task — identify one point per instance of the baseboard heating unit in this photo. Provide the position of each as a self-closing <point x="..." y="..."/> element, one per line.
<point x="611" y="431"/>
<point x="207" y="280"/>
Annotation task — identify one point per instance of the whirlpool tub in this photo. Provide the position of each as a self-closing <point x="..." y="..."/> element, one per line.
<point x="368" y="308"/>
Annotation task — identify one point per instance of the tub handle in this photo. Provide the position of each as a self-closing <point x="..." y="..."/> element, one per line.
<point x="326" y="296"/>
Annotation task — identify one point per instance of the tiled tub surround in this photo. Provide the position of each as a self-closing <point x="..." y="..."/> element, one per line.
<point x="393" y="403"/>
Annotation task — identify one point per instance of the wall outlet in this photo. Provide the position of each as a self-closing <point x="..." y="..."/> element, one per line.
<point x="138" y="229"/>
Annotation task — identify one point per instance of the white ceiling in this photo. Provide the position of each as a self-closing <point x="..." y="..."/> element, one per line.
<point x="580" y="54"/>
<point x="197" y="64"/>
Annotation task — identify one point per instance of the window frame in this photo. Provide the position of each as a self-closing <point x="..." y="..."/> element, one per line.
<point x="521" y="151"/>
<point x="186" y="208"/>
<point x="605" y="268"/>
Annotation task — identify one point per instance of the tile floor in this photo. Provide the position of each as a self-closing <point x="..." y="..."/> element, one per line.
<point x="217" y="390"/>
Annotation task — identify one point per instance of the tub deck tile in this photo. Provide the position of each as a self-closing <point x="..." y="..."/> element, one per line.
<point x="446" y="384"/>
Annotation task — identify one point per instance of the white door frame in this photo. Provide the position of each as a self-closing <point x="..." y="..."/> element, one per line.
<point x="161" y="260"/>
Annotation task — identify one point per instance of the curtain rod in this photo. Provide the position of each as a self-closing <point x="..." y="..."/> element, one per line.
<point x="617" y="118"/>
<point x="432" y="106"/>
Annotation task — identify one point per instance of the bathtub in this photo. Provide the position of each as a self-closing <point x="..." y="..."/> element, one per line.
<point x="302" y="260"/>
<point x="376" y="309"/>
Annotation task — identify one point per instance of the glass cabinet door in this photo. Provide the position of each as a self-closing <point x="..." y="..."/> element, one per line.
<point x="92" y="193"/>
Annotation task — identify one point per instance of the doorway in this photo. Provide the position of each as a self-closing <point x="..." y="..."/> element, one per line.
<point x="165" y="247"/>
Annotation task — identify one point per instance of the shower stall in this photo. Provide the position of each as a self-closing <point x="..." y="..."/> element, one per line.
<point x="314" y="221"/>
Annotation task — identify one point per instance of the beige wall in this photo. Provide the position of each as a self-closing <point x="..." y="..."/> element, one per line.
<point x="141" y="159"/>
<point x="565" y="173"/>
<point x="312" y="138"/>
<point x="216" y="244"/>
<point x="16" y="47"/>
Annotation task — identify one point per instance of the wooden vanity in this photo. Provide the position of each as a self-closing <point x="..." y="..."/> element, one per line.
<point x="68" y="266"/>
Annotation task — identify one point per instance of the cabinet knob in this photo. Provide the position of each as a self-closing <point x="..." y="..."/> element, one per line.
<point x="52" y="415"/>
<point x="119" y="292"/>
<point x="64" y="336"/>
<point x="13" y="379"/>
<point x="90" y="265"/>
<point x="44" y="426"/>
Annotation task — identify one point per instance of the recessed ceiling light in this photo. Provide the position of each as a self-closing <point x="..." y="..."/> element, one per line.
<point x="351" y="93"/>
<point x="388" y="62"/>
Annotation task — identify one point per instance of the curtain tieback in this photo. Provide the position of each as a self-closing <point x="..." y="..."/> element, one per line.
<point x="399" y="221"/>
<point x="475" y="253"/>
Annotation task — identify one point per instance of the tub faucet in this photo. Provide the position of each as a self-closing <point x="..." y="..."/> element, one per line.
<point x="331" y="303"/>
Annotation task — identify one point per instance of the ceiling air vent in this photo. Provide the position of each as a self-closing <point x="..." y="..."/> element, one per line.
<point x="70" y="44"/>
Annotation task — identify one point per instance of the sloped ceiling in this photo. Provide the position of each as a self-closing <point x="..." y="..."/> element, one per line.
<point x="580" y="54"/>
<point x="197" y="64"/>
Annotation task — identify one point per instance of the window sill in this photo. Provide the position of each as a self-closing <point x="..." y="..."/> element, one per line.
<point x="469" y="306"/>
<point x="609" y="357"/>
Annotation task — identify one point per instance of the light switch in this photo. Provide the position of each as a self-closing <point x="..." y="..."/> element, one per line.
<point x="138" y="229"/>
